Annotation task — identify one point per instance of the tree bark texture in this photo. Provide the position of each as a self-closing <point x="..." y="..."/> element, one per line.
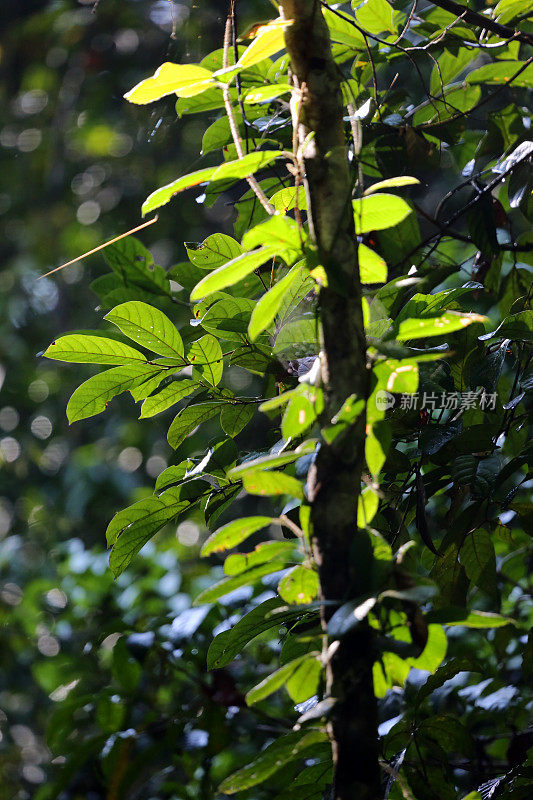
<point x="342" y="553"/>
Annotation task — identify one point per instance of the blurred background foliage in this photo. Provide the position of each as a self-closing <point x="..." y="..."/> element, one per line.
<point x="76" y="162"/>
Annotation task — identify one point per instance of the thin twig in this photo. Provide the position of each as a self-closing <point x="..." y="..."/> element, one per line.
<point x="252" y="182"/>
<point x="100" y="247"/>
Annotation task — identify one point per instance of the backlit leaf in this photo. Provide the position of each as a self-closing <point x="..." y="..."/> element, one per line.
<point x="148" y="327"/>
<point x="167" y="397"/>
<point x="272" y="759"/>
<point x="162" y="196"/>
<point x="93" y="396"/>
<point x="205" y="355"/>
<point x="235" y="416"/>
<point x="85" y="349"/>
<point x="299" y="585"/>
<point x="233" y="534"/>
<point x="269" y="39"/>
<point x="188" y="419"/>
<point x="129" y="530"/>
<point x="272" y="483"/>
<point x="272" y="613"/>
<point x="233" y="271"/>
<point x="379" y="211"/>
<point x="214" y="251"/>
<point x="436" y="326"/>
<point x="184" y="80"/>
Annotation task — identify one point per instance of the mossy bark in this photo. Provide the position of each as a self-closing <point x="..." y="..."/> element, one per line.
<point x="339" y="548"/>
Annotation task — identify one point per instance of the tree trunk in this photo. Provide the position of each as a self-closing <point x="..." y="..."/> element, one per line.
<point x="342" y="553"/>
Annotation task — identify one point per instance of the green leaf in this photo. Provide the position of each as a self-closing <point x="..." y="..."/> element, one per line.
<point x="261" y="94"/>
<point x="227" y="585"/>
<point x="377" y="444"/>
<point x="172" y="475"/>
<point x="279" y="233"/>
<point x="305" y="680"/>
<point x="236" y="416"/>
<point x="81" y="349"/>
<point x="189" y="418"/>
<point x="214" y="251"/>
<point x="434" y="652"/>
<point x="518" y="327"/>
<point x="375" y="16"/>
<point x="392" y="183"/>
<point x="273" y="613"/>
<point x="379" y="211"/>
<point x="341" y="30"/>
<point x="228" y="318"/>
<point x="270" y="461"/>
<point x="162" y="196"/>
<point x="367" y="507"/>
<point x="233" y="271"/>
<point x="184" y="80"/>
<point x="266" y="308"/>
<point x="449" y="66"/>
<point x="298" y="417"/>
<point x="372" y="268"/>
<point x="501" y="73"/>
<point x="205" y="355"/>
<point x="299" y="585"/>
<point x="233" y="534"/>
<point x="148" y="386"/>
<point x="148" y="327"/>
<point x="236" y="563"/>
<point x="469" y="619"/>
<point x="130" y="529"/>
<point x="276" y="680"/>
<point x="479" y="560"/>
<point x="436" y="326"/>
<point x="285" y="199"/>
<point x="247" y="165"/>
<point x="271" y="759"/>
<point x="272" y="484"/>
<point x="269" y="40"/>
<point x="93" y="396"/>
<point x="167" y="397"/>
<point x="299" y="338"/>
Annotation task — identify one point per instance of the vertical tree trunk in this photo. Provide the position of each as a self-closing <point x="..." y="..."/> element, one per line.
<point x="339" y="548"/>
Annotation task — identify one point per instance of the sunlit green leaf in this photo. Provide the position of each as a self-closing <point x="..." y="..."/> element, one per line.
<point x="372" y="268"/>
<point x="266" y="308"/>
<point x="272" y="759"/>
<point x="85" y="349"/>
<point x="184" y="80"/>
<point x="233" y="271"/>
<point x="214" y="251"/>
<point x="189" y="418"/>
<point x="167" y="397"/>
<point x="379" y="211"/>
<point x="93" y="396"/>
<point x="233" y="534"/>
<point x="162" y="196"/>
<point x="235" y="416"/>
<point x="367" y="507"/>
<point x="299" y="585"/>
<point x="148" y="327"/>
<point x="503" y="72"/>
<point x="205" y="355"/>
<point x="435" y="326"/>
<point x="272" y="483"/>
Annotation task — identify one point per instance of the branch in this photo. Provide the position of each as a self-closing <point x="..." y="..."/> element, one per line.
<point x="480" y="21"/>
<point x="252" y="182"/>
